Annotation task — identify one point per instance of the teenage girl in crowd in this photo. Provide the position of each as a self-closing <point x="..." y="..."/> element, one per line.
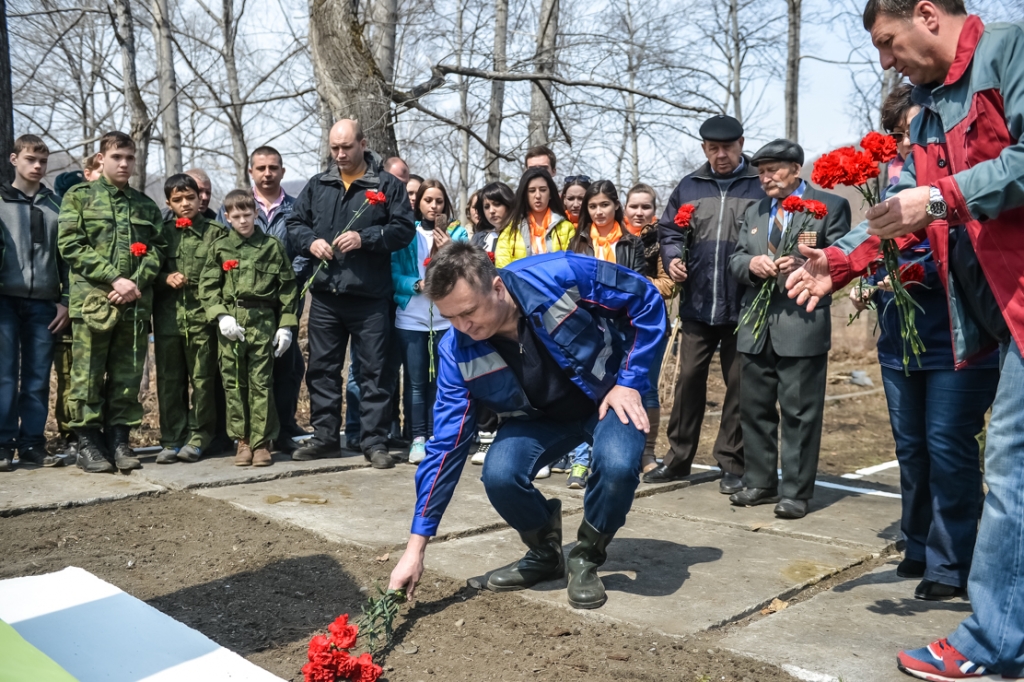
<point x="572" y="196"/>
<point x="494" y="206"/>
<point x="537" y="224"/>
<point x="417" y="323"/>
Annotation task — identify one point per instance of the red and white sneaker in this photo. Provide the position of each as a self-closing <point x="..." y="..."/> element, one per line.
<point x="940" y="662"/>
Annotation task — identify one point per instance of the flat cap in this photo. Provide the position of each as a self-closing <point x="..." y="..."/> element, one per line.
<point x="779" y="150"/>
<point x="721" y="128"/>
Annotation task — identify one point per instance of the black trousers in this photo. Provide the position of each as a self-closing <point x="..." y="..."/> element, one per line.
<point x="796" y="388"/>
<point x="289" y="369"/>
<point x="333" y="320"/>
<point x="697" y="344"/>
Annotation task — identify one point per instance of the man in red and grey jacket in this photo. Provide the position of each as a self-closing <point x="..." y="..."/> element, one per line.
<point x="963" y="190"/>
<point x="559" y="346"/>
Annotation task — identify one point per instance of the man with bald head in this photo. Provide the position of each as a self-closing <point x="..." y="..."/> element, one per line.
<point x="205" y="191"/>
<point x="397" y="167"/>
<point x="334" y="222"/>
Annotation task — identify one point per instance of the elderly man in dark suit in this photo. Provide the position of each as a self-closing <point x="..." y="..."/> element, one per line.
<point x="784" y="366"/>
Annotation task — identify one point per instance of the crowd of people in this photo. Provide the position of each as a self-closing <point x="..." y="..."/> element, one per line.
<point x="510" y="339"/>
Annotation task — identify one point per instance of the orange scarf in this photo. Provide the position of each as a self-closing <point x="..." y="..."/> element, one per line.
<point x="635" y="231"/>
<point x="604" y="247"/>
<point x="574" y="219"/>
<point x="538" y="234"/>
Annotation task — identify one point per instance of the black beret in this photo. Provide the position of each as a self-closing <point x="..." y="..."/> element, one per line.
<point x="779" y="150"/>
<point x="721" y="128"/>
<point x="66" y="181"/>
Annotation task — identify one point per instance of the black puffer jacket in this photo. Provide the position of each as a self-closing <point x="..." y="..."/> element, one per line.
<point x="709" y="293"/>
<point x="629" y="250"/>
<point x="322" y="210"/>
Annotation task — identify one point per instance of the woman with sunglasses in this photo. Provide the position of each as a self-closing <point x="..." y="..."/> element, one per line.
<point x="418" y="325"/>
<point x="537" y="224"/>
<point x="572" y="196"/>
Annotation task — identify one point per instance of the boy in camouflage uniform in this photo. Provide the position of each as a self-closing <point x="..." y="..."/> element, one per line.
<point x="109" y="234"/>
<point x="248" y="288"/>
<point x="183" y="337"/>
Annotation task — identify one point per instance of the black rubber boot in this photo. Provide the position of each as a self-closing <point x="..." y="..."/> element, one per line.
<point x="124" y="458"/>
<point x="586" y="591"/>
<point x="92" y="456"/>
<point x="544" y="560"/>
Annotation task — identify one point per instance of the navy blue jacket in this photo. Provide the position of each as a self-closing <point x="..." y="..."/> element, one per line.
<point x="709" y="294"/>
<point x="601" y="322"/>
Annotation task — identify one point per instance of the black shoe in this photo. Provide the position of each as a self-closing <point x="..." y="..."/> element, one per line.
<point x="36" y="454"/>
<point x="585" y="590"/>
<point x="352" y="445"/>
<point x="911" y="568"/>
<point x="543" y="561"/>
<point x="92" y="456"/>
<point x="932" y="591"/>
<point x="754" y="496"/>
<point x="120" y="447"/>
<point x="730" y="483"/>
<point x="314" y="449"/>
<point x="663" y="474"/>
<point x="380" y="458"/>
<point x="286" y="445"/>
<point x="791" y="509"/>
<point x="6" y="456"/>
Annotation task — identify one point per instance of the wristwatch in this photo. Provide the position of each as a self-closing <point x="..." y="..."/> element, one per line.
<point x="418" y="286"/>
<point x="937" y="207"/>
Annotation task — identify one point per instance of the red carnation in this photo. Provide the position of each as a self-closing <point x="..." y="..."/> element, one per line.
<point x="912" y="273"/>
<point x="793" y="204"/>
<point x="182" y="223"/>
<point x="343" y="635"/>
<point x="844" y="166"/>
<point x="882" y="148"/>
<point x="683" y="215"/>
<point x="816" y="208"/>
<point x="375" y="198"/>
<point x="367" y="670"/>
<point x="426" y="262"/>
<point x="490" y="254"/>
<point x="138" y="249"/>
<point x="229" y="265"/>
<point x="345" y="665"/>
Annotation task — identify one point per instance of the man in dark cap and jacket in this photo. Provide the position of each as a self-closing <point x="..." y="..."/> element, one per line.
<point x="698" y="256"/>
<point x="784" y="364"/>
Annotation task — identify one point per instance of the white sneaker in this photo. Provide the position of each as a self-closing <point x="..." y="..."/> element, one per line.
<point x="487" y="437"/>
<point x="543" y="473"/>
<point x="481" y="453"/>
<point x="418" y="450"/>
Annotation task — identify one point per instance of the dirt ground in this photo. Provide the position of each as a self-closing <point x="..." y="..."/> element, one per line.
<point x="263" y="589"/>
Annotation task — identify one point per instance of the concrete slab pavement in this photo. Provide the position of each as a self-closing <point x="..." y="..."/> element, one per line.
<point x="837" y="516"/>
<point x="851" y="632"/>
<point x="30" y="488"/>
<point x="671" y="575"/>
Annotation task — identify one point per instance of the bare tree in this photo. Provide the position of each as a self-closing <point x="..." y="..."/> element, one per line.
<point x="544" y="63"/>
<point x="497" y="101"/>
<point x="168" y="82"/>
<point x="141" y="125"/>
<point x="6" y="98"/>
<point x="794" y="16"/>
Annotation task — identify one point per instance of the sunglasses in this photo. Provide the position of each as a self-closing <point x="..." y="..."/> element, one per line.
<point x="572" y="179"/>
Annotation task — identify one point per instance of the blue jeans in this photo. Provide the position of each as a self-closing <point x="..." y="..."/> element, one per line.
<point x="26" y="353"/>
<point x="993" y="635"/>
<point x="936" y="416"/>
<point x="524" y="447"/>
<point x="416" y="356"/>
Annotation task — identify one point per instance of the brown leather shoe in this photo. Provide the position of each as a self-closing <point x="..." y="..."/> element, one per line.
<point x="261" y="457"/>
<point x="243" y="455"/>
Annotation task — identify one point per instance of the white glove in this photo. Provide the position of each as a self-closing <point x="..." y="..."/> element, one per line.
<point x="282" y="340"/>
<point x="229" y="328"/>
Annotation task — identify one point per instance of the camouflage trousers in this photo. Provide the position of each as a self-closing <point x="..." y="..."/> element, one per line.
<point x="247" y="368"/>
<point x="183" y="362"/>
<point x="106" y="371"/>
<point x="62" y="369"/>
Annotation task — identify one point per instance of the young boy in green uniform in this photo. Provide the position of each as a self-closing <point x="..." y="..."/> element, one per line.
<point x="183" y="338"/>
<point x="248" y="288"/>
<point x="109" y="234"/>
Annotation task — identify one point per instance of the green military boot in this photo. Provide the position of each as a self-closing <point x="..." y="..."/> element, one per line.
<point x="586" y="591"/>
<point x="543" y="562"/>
<point x="92" y="456"/>
<point x="120" y="446"/>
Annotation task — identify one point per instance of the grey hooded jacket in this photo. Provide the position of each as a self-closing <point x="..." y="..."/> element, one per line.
<point x="30" y="266"/>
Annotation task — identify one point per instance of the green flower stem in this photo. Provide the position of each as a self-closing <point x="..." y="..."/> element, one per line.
<point x="906" y="306"/>
<point x="323" y="262"/>
<point x="377" y="623"/>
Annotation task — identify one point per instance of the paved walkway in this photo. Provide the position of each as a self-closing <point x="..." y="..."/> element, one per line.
<point x="685" y="562"/>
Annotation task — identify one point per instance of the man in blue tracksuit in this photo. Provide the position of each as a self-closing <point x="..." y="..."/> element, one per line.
<point x="550" y="343"/>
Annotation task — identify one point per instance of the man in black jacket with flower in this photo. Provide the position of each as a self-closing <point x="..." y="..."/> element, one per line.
<point x="698" y="256"/>
<point x="338" y="219"/>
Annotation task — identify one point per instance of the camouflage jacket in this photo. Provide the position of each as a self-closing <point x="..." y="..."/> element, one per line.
<point x="97" y="226"/>
<point x="261" y="273"/>
<point x="178" y="311"/>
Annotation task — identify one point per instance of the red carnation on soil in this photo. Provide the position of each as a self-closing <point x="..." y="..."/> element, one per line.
<point x="182" y="223"/>
<point x="912" y="272"/>
<point x="229" y="265"/>
<point x="375" y="197"/>
<point x="138" y="249"/>
<point x="816" y="208"/>
<point x="683" y="215"/>
<point x="367" y="671"/>
<point x="882" y="148"/>
<point x="342" y="634"/>
<point x="793" y="204"/>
